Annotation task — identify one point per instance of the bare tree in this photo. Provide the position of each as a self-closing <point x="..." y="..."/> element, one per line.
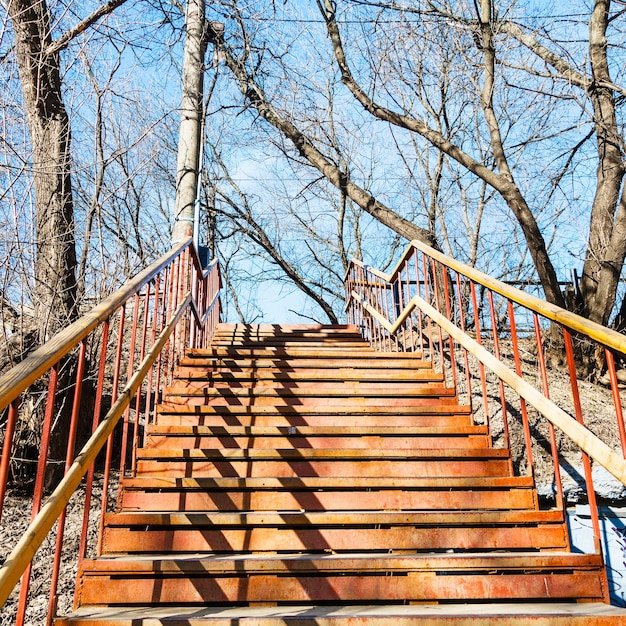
<point x="55" y="292"/>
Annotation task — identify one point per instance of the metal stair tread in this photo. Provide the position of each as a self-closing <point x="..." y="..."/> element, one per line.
<point x="335" y="483"/>
<point x="335" y="518"/>
<point x="204" y="562"/>
<point x="329" y="615"/>
<point x="314" y="390"/>
<point x="196" y="372"/>
<point x="318" y="431"/>
<point x="434" y="410"/>
<point x="241" y="364"/>
<point x="340" y="358"/>
<point x="295" y="454"/>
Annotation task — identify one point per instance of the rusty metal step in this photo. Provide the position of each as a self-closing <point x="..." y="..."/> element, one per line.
<point x="339" y="411"/>
<point x="196" y="467"/>
<point x="324" y="352"/>
<point x="226" y="327"/>
<point x="335" y="494"/>
<point x="294" y="341"/>
<point x="388" y="531"/>
<point x="320" y="539"/>
<point x="339" y="519"/>
<point x="292" y="416"/>
<point x="354" y="390"/>
<point x="310" y="437"/>
<point x="366" y="354"/>
<point x="154" y="430"/>
<point x="334" y="388"/>
<point x="364" y="578"/>
<point x="295" y="397"/>
<point x="330" y="462"/>
<point x="331" y="454"/>
<point x="252" y="330"/>
<point x="325" y="331"/>
<point x="476" y="614"/>
<point x="371" y="361"/>
<point x="265" y="374"/>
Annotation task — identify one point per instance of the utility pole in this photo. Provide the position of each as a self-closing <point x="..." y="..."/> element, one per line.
<point x="189" y="140"/>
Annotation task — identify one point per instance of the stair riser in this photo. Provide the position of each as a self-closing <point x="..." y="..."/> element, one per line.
<point x="312" y="344"/>
<point x="314" y="388"/>
<point x="287" y="399"/>
<point x="234" y="327"/>
<point x="322" y="352"/>
<point x="321" y="336"/>
<point x="294" y="419"/>
<point x="279" y="469"/>
<point x="308" y="387"/>
<point x="391" y="375"/>
<point x="373" y="361"/>
<point x="348" y="588"/>
<point x="318" y="443"/>
<point x="334" y="501"/>
<point x="124" y="540"/>
<point x="472" y="616"/>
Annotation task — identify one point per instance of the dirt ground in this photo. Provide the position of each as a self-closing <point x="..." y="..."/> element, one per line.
<point x="15" y="520"/>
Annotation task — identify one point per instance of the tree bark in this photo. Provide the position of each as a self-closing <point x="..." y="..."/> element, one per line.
<point x="190" y="122"/>
<point x="54" y="292"/>
<point x="606" y="247"/>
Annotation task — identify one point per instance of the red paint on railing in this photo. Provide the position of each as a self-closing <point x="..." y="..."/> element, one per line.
<point x="157" y="294"/>
<point x="478" y="305"/>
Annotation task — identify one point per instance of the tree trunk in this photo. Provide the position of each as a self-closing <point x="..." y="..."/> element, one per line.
<point x="606" y="247"/>
<point x="54" y="290"/>
<point x="190" y="122"/>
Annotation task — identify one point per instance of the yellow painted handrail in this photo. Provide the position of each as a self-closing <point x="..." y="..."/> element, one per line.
<point x="607" y="337"/>
<point x="39" y="528"/>
<point x="25" y="373"/>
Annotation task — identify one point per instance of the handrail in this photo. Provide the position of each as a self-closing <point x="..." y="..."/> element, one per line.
<point x="172" y="304"/>
<point x="17" y="562"/>
<point x="581" y="436"/>
<point x="22" y="375"/>
<point x="422" y="306"/>
<point x="607" y="336"/>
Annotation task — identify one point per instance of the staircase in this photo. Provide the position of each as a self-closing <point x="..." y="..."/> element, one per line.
<point x="295" y="475"/>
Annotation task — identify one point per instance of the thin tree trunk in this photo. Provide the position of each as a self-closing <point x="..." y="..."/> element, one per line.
<point x="190" y="122"/>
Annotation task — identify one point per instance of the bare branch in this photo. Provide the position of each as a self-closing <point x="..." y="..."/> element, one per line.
<point x="64" y="40"/>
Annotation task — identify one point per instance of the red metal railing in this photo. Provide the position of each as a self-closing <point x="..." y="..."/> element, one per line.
<point x="105" y="370"/>
<point x="466" y="323"/>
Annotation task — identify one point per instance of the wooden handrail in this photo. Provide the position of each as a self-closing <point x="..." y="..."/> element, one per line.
<point x="22" y="375"/>
<point x="607" y="337"/>
<point x="578" y="433"/>
<point x="39" y="528"/>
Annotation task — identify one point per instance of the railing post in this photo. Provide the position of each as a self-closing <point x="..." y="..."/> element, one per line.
<point x="7" y="447"/>
<point x="44" y="445"/>
<point x="69" y="457"/>
<point x="591" y="494"/>
<point x="97" y="411"/>
<point x="560" y="501"/>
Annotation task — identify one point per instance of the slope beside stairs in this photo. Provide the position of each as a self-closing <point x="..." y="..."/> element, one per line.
<point x="296" y="476"/>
